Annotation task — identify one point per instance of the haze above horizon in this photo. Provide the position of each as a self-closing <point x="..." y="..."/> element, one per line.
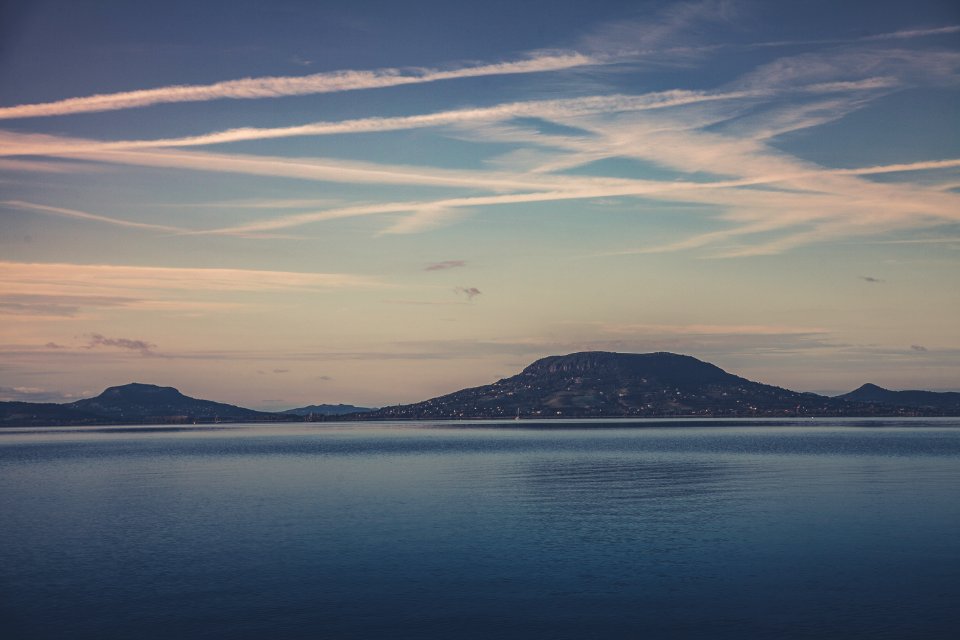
<point x="374" y="203"/>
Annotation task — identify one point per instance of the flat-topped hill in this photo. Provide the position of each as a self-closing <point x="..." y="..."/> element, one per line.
<point x="607" y="384"/>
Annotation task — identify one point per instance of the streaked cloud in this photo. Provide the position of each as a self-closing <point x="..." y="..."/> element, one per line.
<point x="38" y="305"/>
<point x="34" y="166"/>
<point x="35" y="309"/>
<point x="445" y="264"/>
<point x="905" y="206"/>
<point x="711" y="329"/>
<point x="120" y="284"/>
<point x="83" y="215"/>
<point x="675" y="136"/>
<point x="34" y="394"/>
<point x="615" y="42"/>
<point x="470" y="292"/>
<point x="96" y="340"/>
<point x="275" y="87"/>
<point x="546" y="109"/>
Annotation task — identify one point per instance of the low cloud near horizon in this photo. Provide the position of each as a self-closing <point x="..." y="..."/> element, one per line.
<point x="470" y="292"/>
<point x="98" y="340"/>
<point x="445" y="264"/>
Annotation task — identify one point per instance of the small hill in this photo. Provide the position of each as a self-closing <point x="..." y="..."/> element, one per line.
<point x="138" y="402"/>
<point x="327" y="410"/>
<point x="948" y="401"/>
<point x="605" y="384"/>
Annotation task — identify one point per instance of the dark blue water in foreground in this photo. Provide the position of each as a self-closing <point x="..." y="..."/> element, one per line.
<point x="830" y="529"/>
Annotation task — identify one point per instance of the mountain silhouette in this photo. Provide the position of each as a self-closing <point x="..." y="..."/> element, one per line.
<point x="140" y="402"/>
<point x="870" y="393"/>
<point x="606" y="384"/>
<point x="326" y="410"/>
<point x="589" y="384"/>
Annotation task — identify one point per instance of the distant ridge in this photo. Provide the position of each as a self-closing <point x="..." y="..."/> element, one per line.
<point x="25" y="414"/>
<point x="607" y="384"/>
<point x="327" y="410"/>
<point x="873" y="394"/>
<point x="589" y="384"/>
<point x="140" y="402"/>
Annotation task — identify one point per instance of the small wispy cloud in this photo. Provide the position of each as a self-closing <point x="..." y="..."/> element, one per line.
<point x="118" y="283"/>
<point x="33" y="394"/>
<point x="426" y="218"/>
<point x="83" y="215"/>
<point x="38" y="309"/>
<point x="33" y="166"/>
<point x="41" y="305"/>
<point x="445" y="264"/>
<point x="914" y="33"/>
<point x="470" y="292"/>
<point x="423" y="303"/>
<point x="671" y="36"/>
<point x="95" y="340"/>
<point x="710" y="329"/>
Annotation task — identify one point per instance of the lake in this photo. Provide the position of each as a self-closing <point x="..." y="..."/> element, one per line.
<point x="619" y="529"/>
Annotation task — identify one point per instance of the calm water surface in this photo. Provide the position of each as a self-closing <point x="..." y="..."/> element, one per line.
<point x="839" y="529"/>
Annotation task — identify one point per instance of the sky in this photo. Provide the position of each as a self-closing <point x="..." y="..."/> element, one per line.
<point x="373" y="202"/>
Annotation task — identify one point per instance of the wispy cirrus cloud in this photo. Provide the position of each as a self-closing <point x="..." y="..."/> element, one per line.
<point x="675" y="35"/>
<point x="445" y="264"/>
<point x="275" y="87"/>
<point x="720" y="192"/>
<point x="667" y="38"/>
<point x="547" y="109"/>
<point x="724" y="133"/>
<point x="95" y="340"/>
<point x="710" y="329"/>
<point x="83" y="215"/>
<point x="906" y="34"/>
<point x="34" y="166"/>
<point x="470" y="292"/>
<point x="34" y="394"/>
<point x="79" y="282"/>
<point x="60" y="305"/>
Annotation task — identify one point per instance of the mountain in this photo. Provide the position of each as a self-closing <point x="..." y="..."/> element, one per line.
<point x="327" y="410"/>
<point x="591" y="384"/>
<point x="137" y="402"/>
<point x="604" y="384"/>
<point x="948" y="401"/>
